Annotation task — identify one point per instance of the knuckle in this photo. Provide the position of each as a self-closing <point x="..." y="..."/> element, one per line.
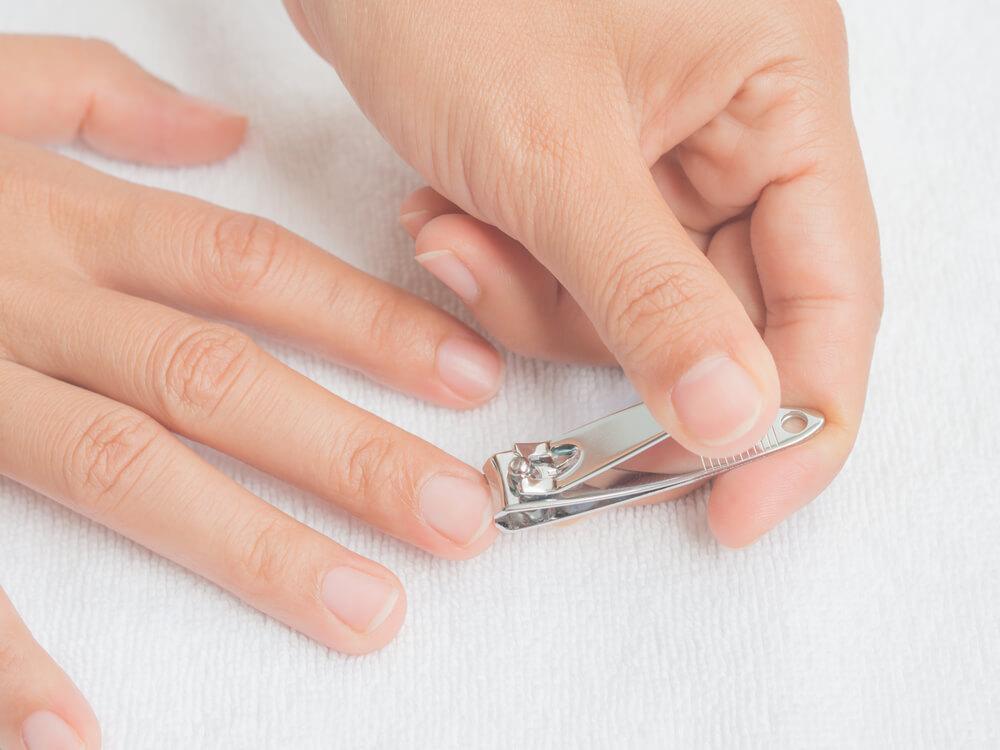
<point x="107" y="460"/>
<point x="365" y="461"/>
<point x="240" y="252"/>
<point x="200" y="365"/>
<point x="265" y="555"/>
<point x="653" y="303"/>
<point x="541" y="156"/>
<point x="366" y="468"/>
<point x="387" y="326"/>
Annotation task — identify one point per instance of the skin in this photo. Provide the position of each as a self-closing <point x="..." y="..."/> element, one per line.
<point x="104" y="354"/>
<point x="653" y="184"/>
<point x="664" y="184"/>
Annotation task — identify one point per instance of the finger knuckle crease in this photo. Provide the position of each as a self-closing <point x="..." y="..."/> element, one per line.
<point x="385" y="323"/>
<point x="366" y="469"/>
<point x="203" y="365"/>
<point x="242" y="253"/>
<point x="656" y="296"/>
<point x="660" y="306"/>
<point x="265" y="555"/>
<point x="108" y="459"/>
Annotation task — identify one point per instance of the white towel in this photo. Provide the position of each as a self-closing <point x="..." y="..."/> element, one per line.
<point x="871" y="619"/>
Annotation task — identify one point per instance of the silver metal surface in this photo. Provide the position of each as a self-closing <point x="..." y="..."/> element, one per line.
<point x="582" y="472"/>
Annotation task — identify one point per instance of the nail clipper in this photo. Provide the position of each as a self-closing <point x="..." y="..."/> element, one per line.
<point x="579" y="473"/>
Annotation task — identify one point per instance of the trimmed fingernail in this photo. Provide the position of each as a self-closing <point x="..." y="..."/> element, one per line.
<point x="413" y="221"/>
<point x="457" y="508"/>
<point x="360" y="601"/>
<point x="451" y="272"/>
<point x="470" y="368"/>
<point x="717" y="401"/>
<point x="43" y="730"/>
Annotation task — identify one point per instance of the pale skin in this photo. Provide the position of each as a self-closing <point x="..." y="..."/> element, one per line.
<point x="673" y="187"/>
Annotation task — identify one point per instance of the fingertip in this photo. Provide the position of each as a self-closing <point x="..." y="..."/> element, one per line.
<point x="413" y="221"/>
<point x="449" y="268"/>
<point x="44" y="729"/>
<point x="751" y="501"/>
<point x="185" y="129"/>
<point x="79" y="714"/>
<point x="512" y="295"/>
<point x="40" y="705"/>
<point x="125" y="112"/>
<point x="479" y="263"/>
<point x="430" y="200"/>
<point x="460" y="553"/>
<point x="470" y="369"/>
<point x="165" y="128"/>
<point x="224" y="129"/>
<point x="457" y="511"/>
<point x="722" y="404"/>
<point x="422" y="206"/>
<point x="729" y="530"/>
<point x="61" y="717"/>
<point x="89" y="728"/>
<point x="368" y="603"/>
<point x="385" y="632"/>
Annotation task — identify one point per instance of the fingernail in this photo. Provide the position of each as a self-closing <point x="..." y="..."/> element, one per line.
<point x="717" y="401"/>
<point x="457" y="508"/>
<point x="451" y="272"/>
<point x="413" y="221"/>
<point x="43" y="730"/>
<point x="360" y="601"/>
<point x="470" y="368"/>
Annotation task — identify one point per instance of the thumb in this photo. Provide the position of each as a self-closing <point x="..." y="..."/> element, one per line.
<point x="659" y="305"/>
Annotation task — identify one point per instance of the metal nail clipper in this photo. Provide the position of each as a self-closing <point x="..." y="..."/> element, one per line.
<point x="583" y="472"/>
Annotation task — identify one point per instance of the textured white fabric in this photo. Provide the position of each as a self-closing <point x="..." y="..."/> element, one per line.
<point x="872" y="619"/>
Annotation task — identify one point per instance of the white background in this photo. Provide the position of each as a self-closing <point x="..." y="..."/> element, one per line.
<point x="872" y="619"/>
